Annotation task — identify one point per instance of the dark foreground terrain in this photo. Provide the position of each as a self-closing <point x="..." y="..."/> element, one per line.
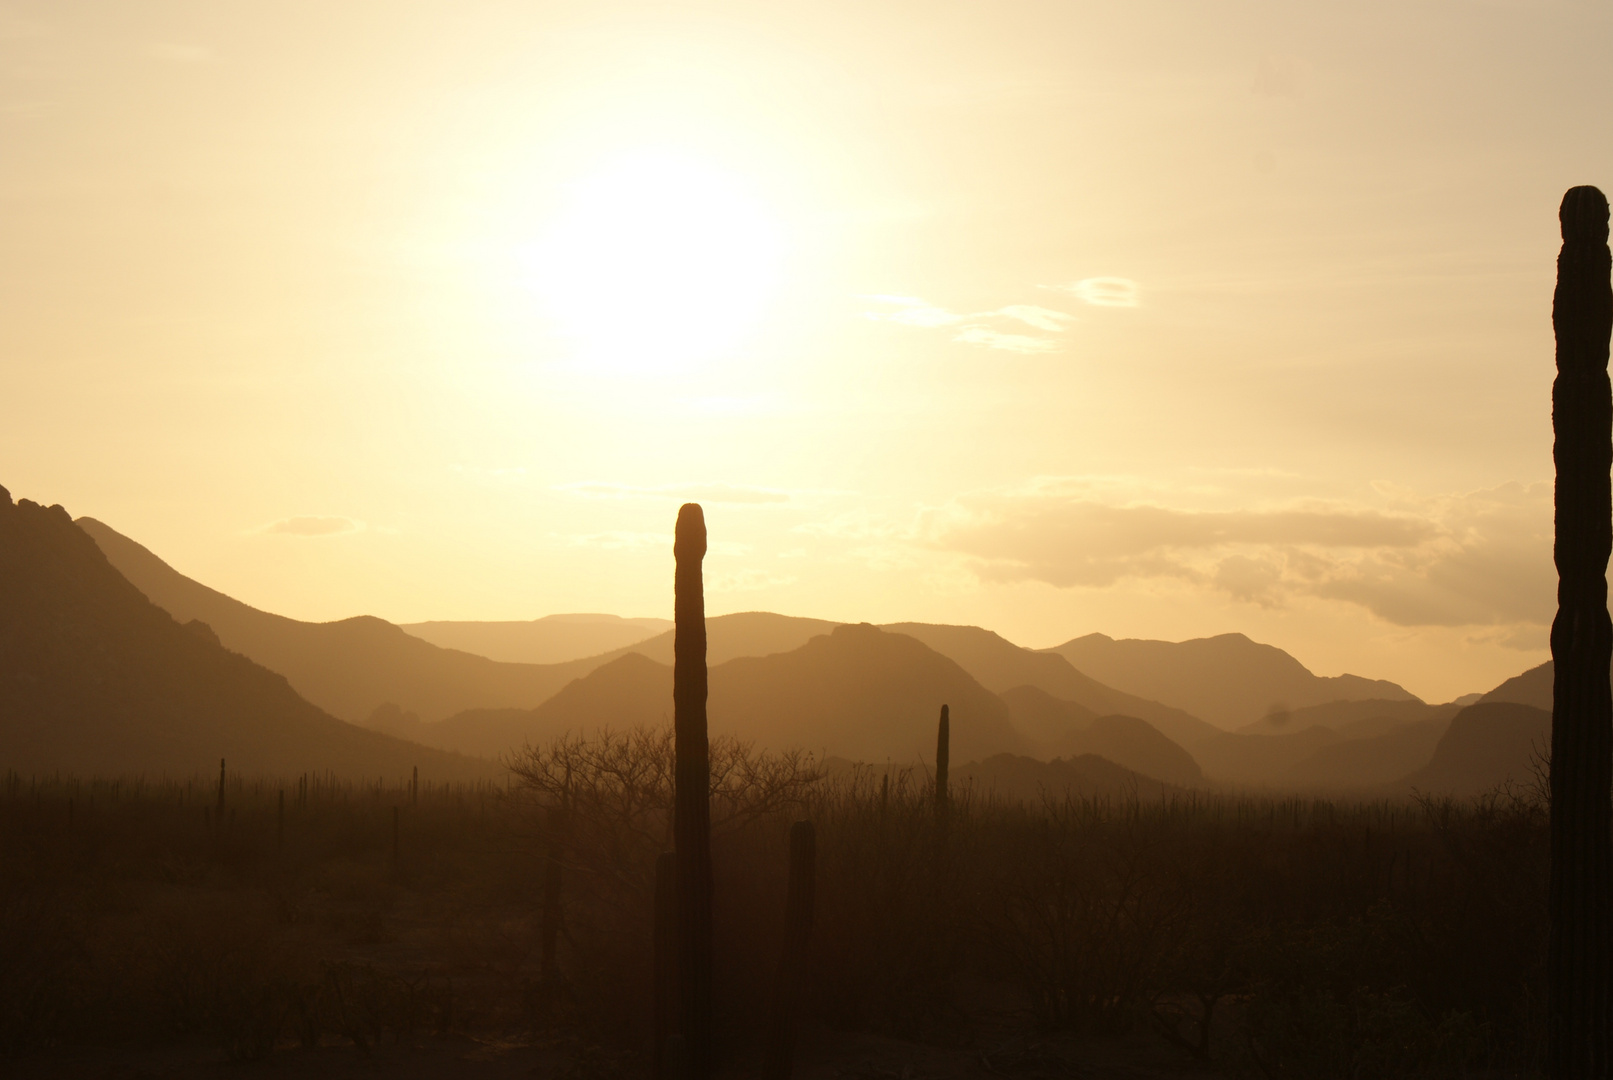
<point x="146" y="933"/>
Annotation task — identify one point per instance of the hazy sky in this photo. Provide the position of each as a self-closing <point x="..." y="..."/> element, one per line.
<point x="1155" y="319"/>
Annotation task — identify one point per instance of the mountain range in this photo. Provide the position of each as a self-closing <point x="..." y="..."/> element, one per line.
<point x="850" y="690"/>
<point x="94" y="677"/>
<point x="1227" y="680"/>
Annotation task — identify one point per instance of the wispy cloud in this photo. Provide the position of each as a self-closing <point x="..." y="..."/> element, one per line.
<point x="1102" y="291"/>
<point x="702" y="493"/>
<point x="312" y="526"/>
<point x="620" y="540"/>
<point x="1475" y="559"/>
<point x="748" y="581"/>
<point x="979" y="327"/>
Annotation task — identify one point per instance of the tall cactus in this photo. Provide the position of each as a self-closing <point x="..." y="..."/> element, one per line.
<point x="221" y="790"/>
<point x="943" y="758"/>
<point x="549" y="967"/>
<point x="692" y="776"/>
<point x="798" y="907"/>
<point x="1579" y="963"/>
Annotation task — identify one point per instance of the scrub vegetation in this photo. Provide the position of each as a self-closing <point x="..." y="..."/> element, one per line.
<point x="1243" y="936"/>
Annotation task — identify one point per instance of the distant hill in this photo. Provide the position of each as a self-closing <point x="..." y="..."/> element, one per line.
<point x="1000" y="665"/>
<point x="1227" y="680"/>
<point x="1533" y="687"/>
<point x="1063" y="729"/>
<point x="1369" y="760"/>
<point x="553" y="639"/>
<point x="1373" y="712"/>
<point x="1487" y="745"/>
<point x="630" y="691"/>
<point x="1013" y="776"/>
<point x="857" y="693"/>
<point x="348" y="668"/>
<point x="96" y="678"/>
<point x="729" y="637"/>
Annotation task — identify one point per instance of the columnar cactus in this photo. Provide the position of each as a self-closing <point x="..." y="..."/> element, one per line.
<point x="943" y="757"/>
<point x="221" y="788"/>
<point x="550" y="963"/>
<point x="692" y="776"/>
<point x="1579" y="960"/>
<point x="798" y="907"/>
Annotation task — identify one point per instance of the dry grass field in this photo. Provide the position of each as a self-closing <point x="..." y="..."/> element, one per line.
<point x="365" y="927"/>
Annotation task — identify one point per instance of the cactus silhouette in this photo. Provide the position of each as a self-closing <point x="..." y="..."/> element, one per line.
<point x="414" y="787"/>
<point x="666" y="965"/>
<point x="550" y="964"/>
<point x="221" y="786"/>
<point x="1579" y="961"/>
<point x="943" y="758"/>
<point x="798" y="907"/>
<point x="692" y="807"/>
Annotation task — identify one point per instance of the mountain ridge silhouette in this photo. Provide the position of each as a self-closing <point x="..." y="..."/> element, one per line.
<point x="97" y="678"/>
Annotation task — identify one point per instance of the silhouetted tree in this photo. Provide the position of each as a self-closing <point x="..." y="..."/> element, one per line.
<point x="692" y="778"/>
<point x="1580" y="955"/>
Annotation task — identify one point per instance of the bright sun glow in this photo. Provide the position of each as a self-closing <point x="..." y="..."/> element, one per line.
<point x="656" y="261"/>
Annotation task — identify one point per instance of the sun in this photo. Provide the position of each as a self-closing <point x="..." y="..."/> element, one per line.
<point x="655" y="261"/>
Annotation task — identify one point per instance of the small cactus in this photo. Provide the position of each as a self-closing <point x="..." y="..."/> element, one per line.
<point x="798" y="909"/>
<point x="943" y="755"/>
<point x="550" y="964"/>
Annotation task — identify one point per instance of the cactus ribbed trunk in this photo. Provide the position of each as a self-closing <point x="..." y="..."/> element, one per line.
<point x="550" y="963"/>
<point x="798" y="906"/>
<point x="692" y="776"/>
<point x="666" y="964"/>
<point x="943" y="758"/>
<point x="1579" y="964"/>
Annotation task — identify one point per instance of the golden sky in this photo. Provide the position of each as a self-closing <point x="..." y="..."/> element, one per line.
<point x="1155" y="319"/>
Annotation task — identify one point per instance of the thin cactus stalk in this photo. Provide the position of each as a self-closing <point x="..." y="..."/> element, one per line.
<point x="1579" y="962"/>
<point x="677" y="1057"/>
<point x="666" y="962"/>
<point x="692" y="777"/>
<point x="943" y="757"/>
<point x="550" y="963"/>
<point x="221" y="786"/>
<point x="798" y="908"/>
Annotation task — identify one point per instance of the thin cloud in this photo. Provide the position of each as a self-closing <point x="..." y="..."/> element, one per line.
<point x="1476" y="559"/>
<point x="748" y="581"/>
<point x="976" y="328"/>
<point x="312" y="526"/>
<point x="996" y="339"/>
<point x="701" y="493"/>
<point x="620" y="540"/>
<point x="1103" y="291"/>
